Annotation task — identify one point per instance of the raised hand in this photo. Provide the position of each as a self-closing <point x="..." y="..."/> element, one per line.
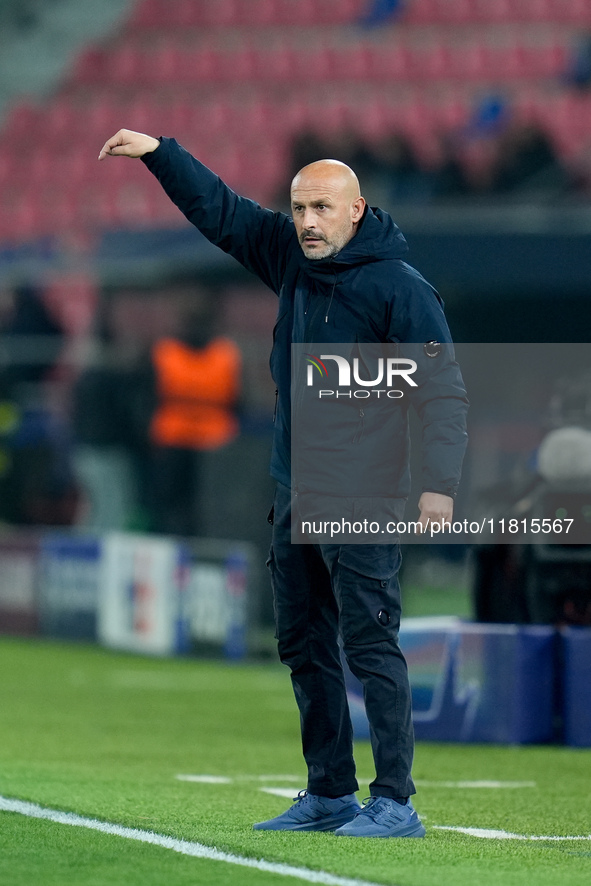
<point x="126" y="143"/>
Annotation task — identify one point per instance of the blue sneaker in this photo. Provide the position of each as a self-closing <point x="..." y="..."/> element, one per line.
<point x="383" y="817"/>
<point x="313" y="813"/>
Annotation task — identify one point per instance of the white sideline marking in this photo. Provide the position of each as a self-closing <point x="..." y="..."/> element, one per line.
<point x="295" y="778"/>
<point x="225" y="779"/>
<point x="206" y="779"/>
<point x="475" y="784"/>
<point x="280" y="792"/>
<point x="184" y="847"/>
<point x="502" y="835"/>
<point x="422" y="783"/>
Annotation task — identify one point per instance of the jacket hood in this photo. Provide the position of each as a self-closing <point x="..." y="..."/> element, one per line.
<point x="378" y="238"/>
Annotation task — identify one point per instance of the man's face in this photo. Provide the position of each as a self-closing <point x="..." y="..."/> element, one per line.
<point x="325" y="212"/>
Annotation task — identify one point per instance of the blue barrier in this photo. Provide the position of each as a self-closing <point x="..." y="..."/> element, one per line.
<point x="69" y="576"/>
<point x="576" y="686"/>
<point x="475" y="683"/>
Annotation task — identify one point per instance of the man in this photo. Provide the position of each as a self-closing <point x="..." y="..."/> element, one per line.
<point x="338" y="271"/>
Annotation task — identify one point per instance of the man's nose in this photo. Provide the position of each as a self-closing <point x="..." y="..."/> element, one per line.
<point x="309" y="219"/>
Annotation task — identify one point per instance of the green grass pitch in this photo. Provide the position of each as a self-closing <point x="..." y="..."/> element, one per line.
<point x="104" y="735"/>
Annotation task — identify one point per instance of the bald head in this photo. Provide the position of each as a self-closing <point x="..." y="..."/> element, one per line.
<point x="329" y="173"/>
<point x="327" y="207"/>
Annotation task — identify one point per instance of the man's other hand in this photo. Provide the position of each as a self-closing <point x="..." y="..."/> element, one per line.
<point x="435" y="508"/>
<point x="126" y="143"/>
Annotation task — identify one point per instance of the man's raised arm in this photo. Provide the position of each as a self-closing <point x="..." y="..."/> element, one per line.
<point x="126" y="143"/>
<point x="258" y="238"/>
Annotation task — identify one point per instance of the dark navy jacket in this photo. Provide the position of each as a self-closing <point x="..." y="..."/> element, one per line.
<point x="366" y="293"/>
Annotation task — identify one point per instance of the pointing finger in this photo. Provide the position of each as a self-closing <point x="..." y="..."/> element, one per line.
<point x="111" y="145"/>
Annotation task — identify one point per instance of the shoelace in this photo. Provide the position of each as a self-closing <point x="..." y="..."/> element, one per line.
<point x="372" y="806"/>
<point x="369" y="801"/>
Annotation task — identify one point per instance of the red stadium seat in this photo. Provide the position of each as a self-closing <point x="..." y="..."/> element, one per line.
<point x="282" y="67"/>
<point x="204" y="64"/>
<point x="238" y="65"/>
<point x="90" y="66"/>
<point x="57" y="208"/>
<point x="455" y="11"/>
<point x="370" y="118"/>
<point x="276" y="65"/>
<point x="528" y="103"/>
<point x="313" y="65"/>
<point x="577" y="12"/>
<point x="133" y="205"/>
<point x="450" y="110"/>
<point x="256" y="12"/>
<point x="295" y="115"/>
<point x="199" y="13"/>
<point x="256" y="115"/>
<point x="165" y="64"/>
<point x="495" y="10"/>
<point x="509" y="62"/>
<point x="221" y="12"/>
<point x="262" y="164"/>
<point x="570" y="120"/>
<point x="42" y="165"/>
<point x="61" y="116"/>
<point x="350" y="62"/>
<point x="391" y="63"/>
<point x="328" y="116"/>
<point x="344" y="11"/>
<point x="7" y="163"/>
<point x="125" y="65"/>
<point x="150" y="14"/>
<point x="23" y="123"/>
<point x="538" y="10"/>
<point x="187" y="13"/>
<point x="142" y="113"/>
<point x="175" y="114"/>
<point x="550" y="60"/>
<point x="298" y="12"/>
<point x="433" y="61"/>
<point x="476" y="61"/>
<point x="23" y="212"/>
<point x="210" y="118"/>
<point x="102" y="114"/>
<point x="424" y="12"/>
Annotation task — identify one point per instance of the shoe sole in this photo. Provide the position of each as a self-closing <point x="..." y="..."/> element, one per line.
<point x="330" y="824"/>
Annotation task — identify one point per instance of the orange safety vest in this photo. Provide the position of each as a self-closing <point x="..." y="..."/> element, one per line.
<point x="197" y="392"/>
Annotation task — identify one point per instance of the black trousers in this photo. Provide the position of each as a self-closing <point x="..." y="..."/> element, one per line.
<point x="321" y="591"/>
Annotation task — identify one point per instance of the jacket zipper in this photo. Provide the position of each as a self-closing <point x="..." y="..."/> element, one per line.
<point x="359" y="432"/>
<point x="334" y="285"/>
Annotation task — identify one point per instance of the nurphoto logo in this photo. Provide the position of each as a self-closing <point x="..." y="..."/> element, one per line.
<point x="389" y="370"/>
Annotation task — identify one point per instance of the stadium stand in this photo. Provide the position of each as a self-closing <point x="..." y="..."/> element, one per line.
<point x="237" y="80"/>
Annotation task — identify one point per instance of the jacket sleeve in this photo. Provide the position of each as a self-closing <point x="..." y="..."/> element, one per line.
<point x="442" y="406"/>
<point x="440" y="398"/>
<point x="258" y="238"/>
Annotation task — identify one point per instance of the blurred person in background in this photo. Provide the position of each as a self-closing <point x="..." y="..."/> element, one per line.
<point x="527" y="163"/>
<point x="36" y="480"/>
<point x="388" y="167"/>
<point x="578" y="73"/>
<point x="448" y="176"/>
<point x="196" y="379"/>
<point x="338" y="269"/>
<point x="397" y="171"/>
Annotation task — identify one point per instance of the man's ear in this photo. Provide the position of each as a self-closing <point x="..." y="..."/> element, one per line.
<point x="357" y="210"/>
